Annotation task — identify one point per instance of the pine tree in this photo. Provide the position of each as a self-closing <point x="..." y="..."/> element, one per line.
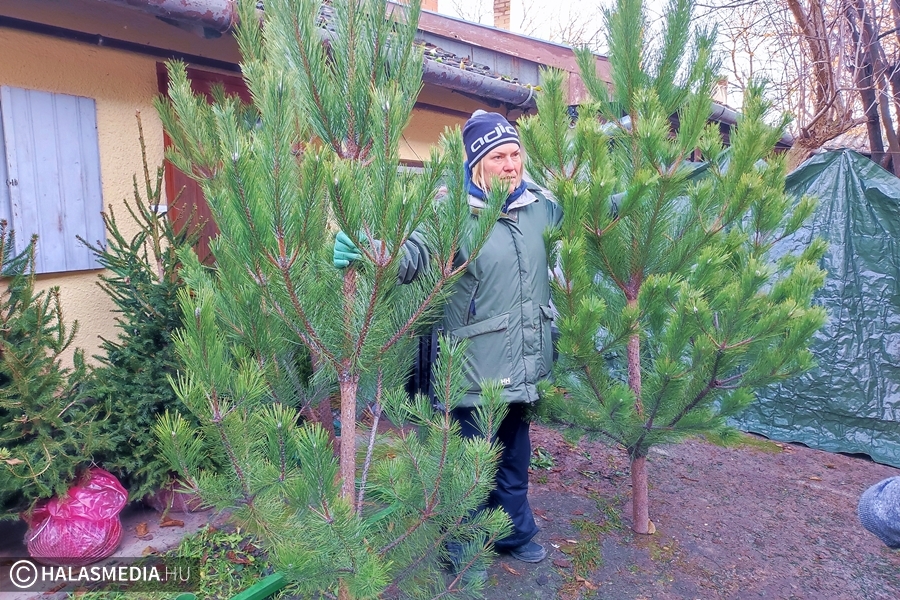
<point x="673" y="307"/>
<point x="47" y="433"/>
<point x="318" y="151"/>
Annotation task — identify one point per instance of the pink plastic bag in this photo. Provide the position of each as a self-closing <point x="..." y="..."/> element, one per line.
<point x="81" y="528"/>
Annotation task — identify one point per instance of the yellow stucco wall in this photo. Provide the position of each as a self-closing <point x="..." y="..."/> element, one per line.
<point x="437" y="109"/>
<point x="121" y="83"/>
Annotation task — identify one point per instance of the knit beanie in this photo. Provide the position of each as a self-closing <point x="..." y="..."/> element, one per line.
<point x="879" y="511"/>
<point x="483" y="132"/>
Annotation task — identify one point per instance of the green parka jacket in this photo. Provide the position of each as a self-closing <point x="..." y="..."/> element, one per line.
<point x="501" y="304"/>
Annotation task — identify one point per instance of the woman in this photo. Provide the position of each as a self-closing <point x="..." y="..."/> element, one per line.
<point x="501" y="304"/>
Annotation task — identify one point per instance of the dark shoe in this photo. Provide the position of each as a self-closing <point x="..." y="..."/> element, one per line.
<point x="532" y="552"/>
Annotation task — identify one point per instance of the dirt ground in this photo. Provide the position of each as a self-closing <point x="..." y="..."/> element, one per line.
<point x="761" y="520"/>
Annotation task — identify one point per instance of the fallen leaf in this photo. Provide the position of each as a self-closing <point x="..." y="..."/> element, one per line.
<point x="585" y="582"/>
<point x="830" y="466"/>
<point x="141" y="530"/>
<point x="149" y="550"/>
<point x="651" y="528"/>
<point x="542" y="514"/>
<point x="578" y="512"/>
<point x="562" y="563"/>
<point x="167" y="522"/>
<point x="13" y="461"/>
<point x="235" y="559"/>
<point x="572" y="541"/>
<point x="567" y="548"/>
<point x="814" y="478"/>
<point x="509" y="569"/>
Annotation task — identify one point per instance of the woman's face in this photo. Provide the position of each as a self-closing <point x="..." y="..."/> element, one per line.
<point x="504" y="162"/>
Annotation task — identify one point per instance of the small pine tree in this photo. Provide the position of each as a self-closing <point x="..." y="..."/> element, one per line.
<point x="672" y="308"/>
<point x="318" y="150"/>
<point x="47" y="434"/>
<point x="132" y="379"/>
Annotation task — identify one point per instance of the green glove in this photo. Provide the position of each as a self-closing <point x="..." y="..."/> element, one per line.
<point x="344" y="250"/>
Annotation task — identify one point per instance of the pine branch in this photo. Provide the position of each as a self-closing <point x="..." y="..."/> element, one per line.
<point x="375" y="409"/>
<point x="711" y="385"/>
<point x="330" y="138"/>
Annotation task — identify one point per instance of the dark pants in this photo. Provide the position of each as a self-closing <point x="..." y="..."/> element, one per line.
<point x="511" y="492"/>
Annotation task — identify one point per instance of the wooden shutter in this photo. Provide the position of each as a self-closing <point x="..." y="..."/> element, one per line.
<point x="52" y="176"/>
<point x="5" y="181"/>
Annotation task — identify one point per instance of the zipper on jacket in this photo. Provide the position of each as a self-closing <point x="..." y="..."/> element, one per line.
<point x="471" y="312"/>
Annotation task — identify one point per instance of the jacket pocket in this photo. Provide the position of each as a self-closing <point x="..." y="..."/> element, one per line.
<point x="489" y="354"/>
<point x="546" y="339"/>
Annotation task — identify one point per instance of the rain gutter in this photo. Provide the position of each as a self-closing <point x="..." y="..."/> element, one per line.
<point x="460" y="80"/>
<point x="723" y="114"/>
<point x="215" y="15"/>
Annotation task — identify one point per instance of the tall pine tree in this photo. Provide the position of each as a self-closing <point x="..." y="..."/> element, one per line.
<point x="317" y="151"/>
<point x="672" y="305"/>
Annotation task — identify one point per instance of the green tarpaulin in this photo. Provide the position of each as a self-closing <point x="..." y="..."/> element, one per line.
<point x="851" y="401"/>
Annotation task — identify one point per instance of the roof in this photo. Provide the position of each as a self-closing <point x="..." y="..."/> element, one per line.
<point x="493" y="65"/>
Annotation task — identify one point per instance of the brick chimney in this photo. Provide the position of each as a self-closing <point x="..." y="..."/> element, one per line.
<point x="426" y="4"/>
<point x="720" y="91"/>
<point x="502" y="13"/>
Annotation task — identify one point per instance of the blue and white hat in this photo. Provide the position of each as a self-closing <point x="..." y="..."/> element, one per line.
<point x="879" y="511"/>
<point x="483" y="132"/>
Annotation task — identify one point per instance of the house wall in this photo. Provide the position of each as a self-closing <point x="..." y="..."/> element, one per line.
<point x="436" y="109"/>
<point x="121" y="83"/>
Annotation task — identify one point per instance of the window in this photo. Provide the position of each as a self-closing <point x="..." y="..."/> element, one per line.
<point x="50" y="176"/>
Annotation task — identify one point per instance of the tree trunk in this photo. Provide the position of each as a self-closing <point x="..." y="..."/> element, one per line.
<point x="640" y="500"/>
<point x="640" y="503"/>
<point x="895" y="69"/>
<point x="349" y="384"/>
<point x="865" y="84"/>
<point x="878" y="65"/>
<point x="343" y="592"/>
<point x="633" y="354"/>
<point x="830" y="114"/>
<point x="895" y="93"/>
